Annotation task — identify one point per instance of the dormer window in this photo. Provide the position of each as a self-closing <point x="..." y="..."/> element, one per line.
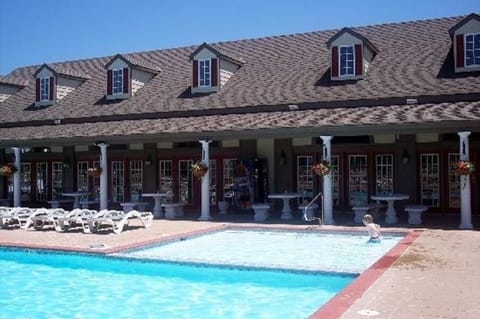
<point x="346" y="60"/>
<point x="44" y="89"/>
<point x="53" y="83"/>
<point x="351" y="55"/>
<point x="204" y="72"/>
<point x="117" y="79"/>
<point x="118" y="83"/>
<point x="472" y="50"/>
<point x="211" y="69"/>
<point x="466" y="44"/>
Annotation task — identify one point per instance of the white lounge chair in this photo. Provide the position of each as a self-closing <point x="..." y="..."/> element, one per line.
<point x="18" y="216"/>
<point x="118" y="219"/>
<point x="78" y="218"/>
<point x="43" y="218"/>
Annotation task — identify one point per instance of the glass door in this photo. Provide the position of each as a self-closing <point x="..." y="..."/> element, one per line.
<point x="430" y="179"/>
<point x="453" y="181"/>
<point x="357" y="179"/>
<point x="185" y="181"/>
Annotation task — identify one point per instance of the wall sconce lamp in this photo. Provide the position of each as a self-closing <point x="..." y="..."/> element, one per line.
<point x="283" y="159"/>
<point x="405" y="157"/>
<point x="148" y="161"/>
<point x="67" y="163"/>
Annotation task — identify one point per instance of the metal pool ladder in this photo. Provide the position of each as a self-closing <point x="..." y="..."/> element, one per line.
<point x="305" y="210"/>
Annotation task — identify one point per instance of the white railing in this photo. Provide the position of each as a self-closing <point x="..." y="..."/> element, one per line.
<point x="305" y="210"/>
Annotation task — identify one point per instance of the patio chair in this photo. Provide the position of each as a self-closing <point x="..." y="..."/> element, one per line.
<point x="118" y="219"/>
<point x="44" y="218"/>
<point x="78" y="218"/>
<point x="18" y="216"/>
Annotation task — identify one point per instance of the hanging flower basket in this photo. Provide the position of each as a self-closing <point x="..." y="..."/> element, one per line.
<point x="465" y="168"/>
<point x="199" y="169"/>
<point x="7" y="170"/>
<point x="322" y="168"/>
<point x="95" y="171"/>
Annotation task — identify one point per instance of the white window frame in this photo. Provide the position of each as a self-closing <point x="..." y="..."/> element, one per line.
<point x="474" y="49"/>
<point x="205" y="77"/>
<point x="346" y="61"/>
<point x="45" y="89"/>
<point x="117" y="81"/>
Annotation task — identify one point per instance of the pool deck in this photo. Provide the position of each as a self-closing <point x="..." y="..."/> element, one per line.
<point x="436" y="276"/>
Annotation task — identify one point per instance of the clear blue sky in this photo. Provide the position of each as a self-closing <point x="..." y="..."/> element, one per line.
<point x="38" y="31"/>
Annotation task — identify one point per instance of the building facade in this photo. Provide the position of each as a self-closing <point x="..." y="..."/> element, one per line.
<point x="401" y="103"/>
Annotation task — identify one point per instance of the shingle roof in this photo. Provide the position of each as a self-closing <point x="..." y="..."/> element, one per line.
<point x="334" y="121"/>
<point x="13" y="81"/>
<point x="59" y="70"/>
<point x="414" y="60"/>
<point x="136" y="61"/>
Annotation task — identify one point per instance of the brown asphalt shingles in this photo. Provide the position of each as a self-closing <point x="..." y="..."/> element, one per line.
<point x="414" y="59"/>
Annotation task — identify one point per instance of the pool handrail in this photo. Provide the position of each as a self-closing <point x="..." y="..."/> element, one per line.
<point x="305" y="210"/>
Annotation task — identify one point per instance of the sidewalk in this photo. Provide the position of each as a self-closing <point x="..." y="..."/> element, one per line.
<point x="437" y="277"/>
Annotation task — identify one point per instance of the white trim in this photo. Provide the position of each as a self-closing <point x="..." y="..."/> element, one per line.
<point x="340" y="64"/>
<point x="113" y="81"/>
<point x="465" y="50"/>
<point x="209" y="73"/>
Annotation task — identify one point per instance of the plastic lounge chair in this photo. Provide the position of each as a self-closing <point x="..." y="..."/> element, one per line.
<point x="118" y="219"/>
<point x="18" y="216"/>
<point x="78" y="218"/>
<point x="43" y="218"/>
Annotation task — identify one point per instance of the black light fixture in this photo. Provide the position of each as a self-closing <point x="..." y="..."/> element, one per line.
<point x="66" y="163"/>
<point x="148" y="161"/>
<point x="405" y="157"/>
<point x="283" y="158"/>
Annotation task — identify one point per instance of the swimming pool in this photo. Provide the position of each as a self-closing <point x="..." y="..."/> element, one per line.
<point x="296" y="250"/>
<point x="63" y="285"/>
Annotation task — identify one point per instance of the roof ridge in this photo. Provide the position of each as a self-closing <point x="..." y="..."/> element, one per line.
<point x="289" y="35"/>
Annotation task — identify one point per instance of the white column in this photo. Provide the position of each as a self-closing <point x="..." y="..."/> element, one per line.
<point x="465" y="194"/>
<point x="205" y="181"/>
<point x="17" y="199"/>
<point x="103" y="176"/>
<point x="327" y="183"/>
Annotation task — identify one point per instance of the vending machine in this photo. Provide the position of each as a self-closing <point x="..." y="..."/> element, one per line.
<point x="250" y="178"/>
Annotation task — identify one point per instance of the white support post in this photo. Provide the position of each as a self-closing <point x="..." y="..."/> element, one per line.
<point x="205" y="181"/>
<point x="327" y="183"/>
<point x="17" y="199"/>
<point x="465" y="192"/>
<point x="103" y="176"/>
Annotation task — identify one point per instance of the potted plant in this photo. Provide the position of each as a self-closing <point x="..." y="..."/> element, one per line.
<point x="465" y="168"/>
<point x="199" y="169"/>
<point x="95" y="171"/>
<point x="322" y="168"/>
<point x="7" y="169"/>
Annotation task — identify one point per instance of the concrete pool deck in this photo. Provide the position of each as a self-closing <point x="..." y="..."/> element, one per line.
<point x="437" y="276"/>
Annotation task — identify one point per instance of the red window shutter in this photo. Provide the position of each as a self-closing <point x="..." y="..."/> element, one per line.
<point x="126" y="80"/>
<point x="109" y="82"/>
<point x="358" y="60"/>
<point x="51" y="88"/>
<point x="460" y="52"/>
<point x="334" y="65"/>
<point x="37" y="90"/>
<point x="214" y="72"/>
<point x="195" y="74"/>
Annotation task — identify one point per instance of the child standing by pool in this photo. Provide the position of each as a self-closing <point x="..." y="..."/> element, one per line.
<point x="372" y="228"/>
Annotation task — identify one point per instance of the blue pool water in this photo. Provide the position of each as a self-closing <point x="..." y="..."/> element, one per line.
<point x="39" y="284"/>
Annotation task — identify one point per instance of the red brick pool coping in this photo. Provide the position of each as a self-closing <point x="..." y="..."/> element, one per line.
<point x="334" y="308"/>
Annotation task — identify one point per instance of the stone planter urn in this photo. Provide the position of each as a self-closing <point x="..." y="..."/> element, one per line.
<point x="223" y="206"/>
